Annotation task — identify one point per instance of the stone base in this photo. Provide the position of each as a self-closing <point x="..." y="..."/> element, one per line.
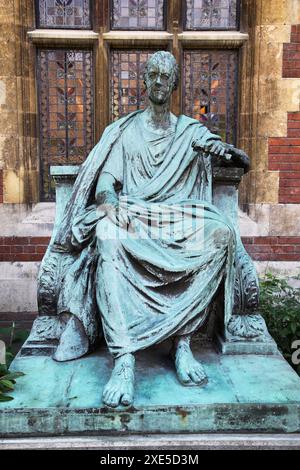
<point x="163" y="442"/>
<point x="257" y="346"/>
<point x="245" y="393"/>
<point x="38" y="348"/>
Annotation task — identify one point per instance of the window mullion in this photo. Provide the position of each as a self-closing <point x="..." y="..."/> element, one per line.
<point x="175" y="23"/>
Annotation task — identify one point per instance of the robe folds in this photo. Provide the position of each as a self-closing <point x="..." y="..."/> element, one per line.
<point x="156" y="278"/>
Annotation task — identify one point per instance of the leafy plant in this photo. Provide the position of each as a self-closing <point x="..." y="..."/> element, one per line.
<point x="13" y="338"/>
<point x="280" y="307"/>
<point x="7" y="382"/>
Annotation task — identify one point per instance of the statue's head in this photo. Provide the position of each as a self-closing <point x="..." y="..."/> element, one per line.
<point x="161" y="76"/>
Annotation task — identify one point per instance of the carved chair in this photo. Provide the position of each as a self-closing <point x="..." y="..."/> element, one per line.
<point x="245" y="332"/>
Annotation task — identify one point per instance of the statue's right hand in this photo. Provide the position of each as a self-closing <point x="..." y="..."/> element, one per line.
<point x="108" y="202"/>
<point x="118" y="215"/>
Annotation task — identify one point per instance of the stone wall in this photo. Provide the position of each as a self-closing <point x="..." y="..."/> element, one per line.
<point x="284" y="152"/>
<point x="269" y="127"/>
<point x="291" y="55"/>
<point x="269" y="131"/>
<point x="18" y="141"/>
<point x="1" y="186"/>
<point x="266" y="96"/>
<point x="269" y="92"/>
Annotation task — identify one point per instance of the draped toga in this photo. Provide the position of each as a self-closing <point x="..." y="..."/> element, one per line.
<point x="157" y="278"/>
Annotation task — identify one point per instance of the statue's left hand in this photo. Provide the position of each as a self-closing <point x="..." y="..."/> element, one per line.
<point x="225" y="152"/>
<point x="215" y="148"/>
<point x="239" y="158"/>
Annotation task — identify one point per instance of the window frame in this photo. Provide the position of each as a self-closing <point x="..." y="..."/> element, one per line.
<point x="238" y="20"/>
<point x="165" y="16"/>
<point x="46" y="197"/>
<point x="59" y="28"/>
<point x="102" y="40"/>
<point x="236" y="100"/>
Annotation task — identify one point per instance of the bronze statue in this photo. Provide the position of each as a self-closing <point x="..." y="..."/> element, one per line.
<point x="104" y="273"/>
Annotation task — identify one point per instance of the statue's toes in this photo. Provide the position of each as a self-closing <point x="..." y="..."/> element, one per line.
<point x="105" y="395"/>
<point x="107" y="391"/>
<point x="196" y="376"/>
<point x="127" y="399"/>
<point x="113" y="399"/>
<point x="183" y="376"/>
<point x="199" y="375"/>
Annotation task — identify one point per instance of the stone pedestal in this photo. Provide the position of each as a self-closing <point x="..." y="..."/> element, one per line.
<point x="251" y="388"/>
<point x="245" y="393"/>
<point x="256" y="346"/>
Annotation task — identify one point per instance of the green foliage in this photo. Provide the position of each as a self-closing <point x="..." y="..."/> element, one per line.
<point x="7" y="382"/>
<point x="13" y="339"/>
<point x="280" y="307"/>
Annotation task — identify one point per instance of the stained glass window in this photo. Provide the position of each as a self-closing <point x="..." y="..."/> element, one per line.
<point x="211" y="14"/>
<point x="65" y="110"/>
<point x="127" y="84"/>
<point x="138" y="14"/>
<point x="210" y="89"/>
<point x="74" y="14"/>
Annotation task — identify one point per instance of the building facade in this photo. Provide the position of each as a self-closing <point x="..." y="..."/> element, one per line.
<point x="70" y="67"/>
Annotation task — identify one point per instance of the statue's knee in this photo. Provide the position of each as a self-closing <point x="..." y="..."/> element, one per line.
<point x="223" y="235"/>
<point x="107" y="239"/>
<point x="106" y="230"/>
<point x="102" y="226"/>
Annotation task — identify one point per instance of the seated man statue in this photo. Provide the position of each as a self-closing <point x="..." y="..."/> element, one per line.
<point x="141" y="250"/>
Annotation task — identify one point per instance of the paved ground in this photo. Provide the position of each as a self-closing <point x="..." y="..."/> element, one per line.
<point x="158" y="442"/>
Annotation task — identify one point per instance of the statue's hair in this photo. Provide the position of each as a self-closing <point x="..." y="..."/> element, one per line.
<point x="163" y="55"/>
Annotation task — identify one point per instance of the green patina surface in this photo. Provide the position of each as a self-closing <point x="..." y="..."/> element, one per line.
<point x="244" y="393"/>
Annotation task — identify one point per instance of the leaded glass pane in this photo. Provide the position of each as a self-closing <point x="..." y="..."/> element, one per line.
<point x="127" y="84"/>
<point x="138" y="14"/>
<point x="210" y="90"/>
<point x="73" y="14"/>
<point x="65" y="109"/>
<point x="211" y="14"/>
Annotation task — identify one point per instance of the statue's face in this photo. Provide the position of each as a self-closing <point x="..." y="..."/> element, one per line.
<point x="159" y="81"/>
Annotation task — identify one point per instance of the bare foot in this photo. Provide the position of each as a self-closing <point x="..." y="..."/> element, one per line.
<point x="119" y="389"/>
<point x="189" y="371"/>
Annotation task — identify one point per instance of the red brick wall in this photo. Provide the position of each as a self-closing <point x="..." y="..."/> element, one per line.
<point x="284" y="152"/>
<point x="273" y="248"/>
<point x="284" y="156"/>
<point x="23" y="248"/>
<point x="259" y="248"/>
<point x="291" y="55"/>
